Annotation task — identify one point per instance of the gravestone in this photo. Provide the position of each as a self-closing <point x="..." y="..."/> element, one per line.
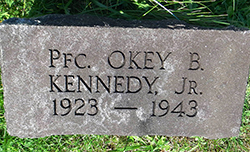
<point x="113" y="80"/>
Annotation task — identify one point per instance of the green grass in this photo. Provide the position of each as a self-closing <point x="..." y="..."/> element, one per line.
<point x="217" y="13"/>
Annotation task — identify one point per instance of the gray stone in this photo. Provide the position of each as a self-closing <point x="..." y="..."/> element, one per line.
<point x="123" y="81"/>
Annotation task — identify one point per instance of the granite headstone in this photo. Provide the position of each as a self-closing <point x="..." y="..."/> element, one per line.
<point x="117" y="80"/>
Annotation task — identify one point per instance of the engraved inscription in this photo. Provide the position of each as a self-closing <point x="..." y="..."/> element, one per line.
<point x="61" y="80"/>
<point x="67" y="105"/>
<point x="121" y="84"/>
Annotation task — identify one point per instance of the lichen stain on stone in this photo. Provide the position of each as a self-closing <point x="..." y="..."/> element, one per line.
<point x="114" y="116"/>
<point x="140" y="113"/>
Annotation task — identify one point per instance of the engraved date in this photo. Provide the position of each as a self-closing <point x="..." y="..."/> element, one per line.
<point x="66" y="106"/>
<point x="164" y="107"/>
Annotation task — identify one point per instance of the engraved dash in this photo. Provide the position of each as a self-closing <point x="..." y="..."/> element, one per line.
<point x="125" y="108"/>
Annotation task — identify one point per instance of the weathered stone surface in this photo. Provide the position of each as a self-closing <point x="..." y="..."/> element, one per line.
<point x="123" y="81"/>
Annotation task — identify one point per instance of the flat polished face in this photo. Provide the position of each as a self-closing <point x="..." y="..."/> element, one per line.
<point x="123" y="81"/>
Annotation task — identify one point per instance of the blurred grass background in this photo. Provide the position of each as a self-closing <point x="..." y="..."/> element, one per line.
<point x="209" y="13"/>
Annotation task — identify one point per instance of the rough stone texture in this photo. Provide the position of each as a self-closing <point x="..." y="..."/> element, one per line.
<point x="213" y="64"/>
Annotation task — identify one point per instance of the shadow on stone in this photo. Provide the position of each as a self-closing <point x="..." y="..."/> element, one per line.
<point x="92" y="21"/>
